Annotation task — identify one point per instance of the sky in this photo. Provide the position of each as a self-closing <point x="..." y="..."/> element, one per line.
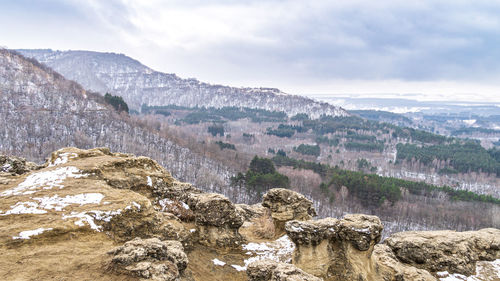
<point x="429" y="50"/>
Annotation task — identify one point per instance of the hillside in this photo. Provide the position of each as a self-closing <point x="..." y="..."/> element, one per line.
<point x="97" y="215"/>
<point x="41" y="111"/>
<point x="44" y="112"/>
<point x="138" y="85"/>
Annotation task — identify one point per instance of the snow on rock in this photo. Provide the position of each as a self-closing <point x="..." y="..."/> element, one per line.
<point x="150" y="181"/>
<point x="63" y="158"/>
<point x="280" y="250"/>
<point x="45" y="180"/>
<point x="485" y="271"/>
<point x="58" y="203"/>
<point x="28" y="233"/>
<point x="90" y="216"/>
<point x="24" y="208"/>
<point x="164" y="203"/>
<point x="53" y="203"/>
<point x="218" y="262"/>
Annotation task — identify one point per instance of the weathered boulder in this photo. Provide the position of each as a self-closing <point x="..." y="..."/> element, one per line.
<point x="217" y="220"/>
<point x="390" y="268"/>
<point x="313" y="252"/>
<point x="455" y="252"/>
<point x="267" y="270"/>
<point x="250" y="212"/>
<point x="362" y="231"/>
<point x="16" y="165"/>
<point x="336" y="249"/>
<point x="150" y="259"/>
<point x="287" y="205"/>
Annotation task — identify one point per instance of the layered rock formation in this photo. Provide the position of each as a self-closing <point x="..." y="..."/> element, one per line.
<point x="347" y="249"/>
<point x="449" y="251"/>
<point x="217" y="220"/>
<point x="287" y="205"/>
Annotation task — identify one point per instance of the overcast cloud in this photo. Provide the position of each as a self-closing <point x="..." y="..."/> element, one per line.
<point x="431" y="47"/>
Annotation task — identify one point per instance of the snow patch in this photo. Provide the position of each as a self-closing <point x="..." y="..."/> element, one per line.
<point x="239" y="268"/>
<point x="90" y="216"/>
<point x="218" y="262"/>
<point x="53" y="203"/>
<point x="280" y="250"/>
<point x="150" y="181"/>
<point x="63" y="158"/>
<point x="28" y="233"/>
<point x="362" y="230"/>
<point x="484" y="271"/>
<point x="5" y="168"/>
<point x="58" y="203"/>
<point x="470" y="122"/>
<point x="24" y="208"/>
<point x="45" y="180"/>
<point x="296" y="228"/>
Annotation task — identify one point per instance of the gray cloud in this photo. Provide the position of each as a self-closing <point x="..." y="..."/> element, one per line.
<point x="291" y="40"/>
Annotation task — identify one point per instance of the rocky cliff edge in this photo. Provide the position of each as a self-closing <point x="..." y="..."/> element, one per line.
<point x="97" y="215"/>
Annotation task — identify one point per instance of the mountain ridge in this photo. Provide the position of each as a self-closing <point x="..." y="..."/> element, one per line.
<point x="139" y="84"/>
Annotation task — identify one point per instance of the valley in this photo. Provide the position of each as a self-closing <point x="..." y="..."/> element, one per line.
<point x="211" y="146"/>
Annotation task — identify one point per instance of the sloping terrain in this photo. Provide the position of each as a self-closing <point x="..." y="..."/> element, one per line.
<point x="138" y="85"/>
<point x="97" y="215"/>
<point x="40" y="111"/>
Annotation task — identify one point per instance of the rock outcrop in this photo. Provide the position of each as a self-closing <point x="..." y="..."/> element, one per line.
<point x="390" y="268"/>
<point x="151" y="259"/>
<point x="287" y="205"/>
<point x="15" y="165"/>
<point x="336" y="249"/>
<point x="90" y="200"/>
<point x="217" y="220"/>
<point x="267" y="270"/>
<point x="454" y="252"/>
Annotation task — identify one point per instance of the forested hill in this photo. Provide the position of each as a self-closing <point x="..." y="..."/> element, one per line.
<point x="138" y="85"/>
<point x="41" y="111"/>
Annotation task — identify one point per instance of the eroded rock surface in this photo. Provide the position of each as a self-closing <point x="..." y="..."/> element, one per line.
<point x="287" y="205"/>
<point x="16" y="165"/>
<point x="336" y="249"/>
<point x="267" y="270"/>
<point x="217" y="220"/>
<point x="454" y="252"/>
<point x="151" y="259"/>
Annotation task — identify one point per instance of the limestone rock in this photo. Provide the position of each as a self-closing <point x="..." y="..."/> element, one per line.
<point x="313" y="244"/>
<point x="390" y="267"/>
<point x="337" y="249"/>
<point x="217" y="220"/>
<point x="455" y="252"/>
<point x="362" y="231"/>
<point x="267" y="270"/>
<point x="311" y="232"/>
<point x="16" y="165"/>
<point x="286" y="205"/>
<point x="250" y="212"/>
<point x="151" y="259"/>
